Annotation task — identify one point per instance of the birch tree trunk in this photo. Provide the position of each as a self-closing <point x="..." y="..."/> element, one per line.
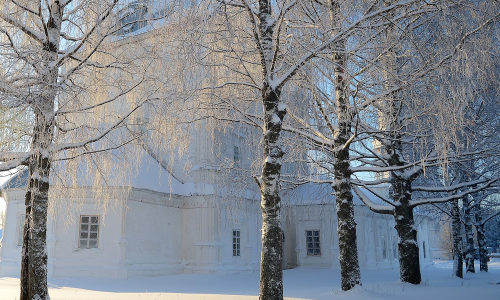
<point x="409" y="262"/>
<point x="346" y="228"/>
<point x="469" y="238"/>
<point x="57" y="80"/>
<point x="481" y="241"/>
<point x="271" y="270"/>
<point x="271" y="265"/>
<point x="456" y="225"/>
<point x="34" y="251"/>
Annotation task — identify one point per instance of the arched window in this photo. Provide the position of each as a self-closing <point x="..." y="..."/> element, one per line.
<point x="133" y="17"/>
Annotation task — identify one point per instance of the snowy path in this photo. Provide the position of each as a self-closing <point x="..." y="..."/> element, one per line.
<point x="317" y="284"/>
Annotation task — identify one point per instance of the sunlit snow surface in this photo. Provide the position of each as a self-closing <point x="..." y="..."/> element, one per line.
<point x="437" y="283"/>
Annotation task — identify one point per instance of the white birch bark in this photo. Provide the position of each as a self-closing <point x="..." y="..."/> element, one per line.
<point x="456" y="223"/>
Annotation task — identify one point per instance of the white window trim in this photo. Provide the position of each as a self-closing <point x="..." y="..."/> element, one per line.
<point x="89" y="231"/>
<point x="319" y="243"/>
<point x="237" y="243"/>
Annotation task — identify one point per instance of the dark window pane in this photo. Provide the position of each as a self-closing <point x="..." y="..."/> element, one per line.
<point x="85" y="219"/>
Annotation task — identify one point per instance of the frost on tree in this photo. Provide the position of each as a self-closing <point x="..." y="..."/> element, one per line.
<point x="268" y="70"/>
<point x="406" y="143"/>
<point x="57" y="73"/>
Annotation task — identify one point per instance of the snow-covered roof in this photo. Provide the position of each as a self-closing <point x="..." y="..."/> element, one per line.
<point x="152" y="176"/>
<point x="17" y="179"/>
<point x="313" y="193"/>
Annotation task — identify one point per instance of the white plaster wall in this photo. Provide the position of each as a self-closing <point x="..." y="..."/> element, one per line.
<point x="69" y="260"/>
<point x="424" y="226"/>
<point x="155" y="234"/>
<point x="371" y="230"/>
<point x="375" y="229"/>
<point x="153" y="238"/>
<point x="240" y="215"/>
<point x="315" y="217"/>
<point x="10" y="252"/>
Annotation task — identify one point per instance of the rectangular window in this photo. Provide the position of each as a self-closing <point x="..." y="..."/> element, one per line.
<point x="89" y="231"/>
<point x="394" y="247"/>
<point x="21" y="230"/>
<point x="313" y="246"/>
<point x="423" y="246"/>
<point x="236" y="243"/>
<point x="236" y="155"/>
<point x="384" y="248"/>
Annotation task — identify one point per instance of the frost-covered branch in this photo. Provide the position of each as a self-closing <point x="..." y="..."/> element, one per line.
<point x="381" y="209"/>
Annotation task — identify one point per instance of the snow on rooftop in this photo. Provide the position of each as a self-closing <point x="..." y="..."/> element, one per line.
<point x="313" y="193"/>
<point x="14" y="178"/>
<point x="152" y="176"/>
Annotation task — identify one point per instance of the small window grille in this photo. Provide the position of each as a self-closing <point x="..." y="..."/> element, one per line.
<point x="313" y="243"/>
<point x="384" y="248"/>
<point x="89" y="231"/>
<point x="236" y="155"/>
<point x="395" y="248"/>
<point x="236" y="243"/>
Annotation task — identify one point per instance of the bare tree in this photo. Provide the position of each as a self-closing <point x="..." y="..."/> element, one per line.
<point x="404" y="165"/>
<point x="256" y="47"/>
<point x="69" y="90"/>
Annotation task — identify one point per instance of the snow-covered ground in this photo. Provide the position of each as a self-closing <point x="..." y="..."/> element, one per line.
<point x="437" y="283"/>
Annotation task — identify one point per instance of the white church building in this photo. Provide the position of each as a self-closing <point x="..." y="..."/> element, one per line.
<point x="171" y="222"/>
<point x="168" y="223"/>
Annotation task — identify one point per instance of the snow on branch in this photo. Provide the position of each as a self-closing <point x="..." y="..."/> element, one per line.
<point x="84" y="39"/>
<point x="28" y="31"/>
<point x="415" y="203"/>
<point x="279" y="82"/>
<point x="449" y="188"/>
<point x="381" y="209"/>
<point x="485" y="220"/>
<point x="9" y="161"/>
<point x="229" y="83"/>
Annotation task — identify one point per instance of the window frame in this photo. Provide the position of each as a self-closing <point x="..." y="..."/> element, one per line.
<point x="384" y="248"/>
<point x="314" y="246"/>
<point x="89" y="231"/>
<point x="237" y="155"/>
<point x="236" y="242"/>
